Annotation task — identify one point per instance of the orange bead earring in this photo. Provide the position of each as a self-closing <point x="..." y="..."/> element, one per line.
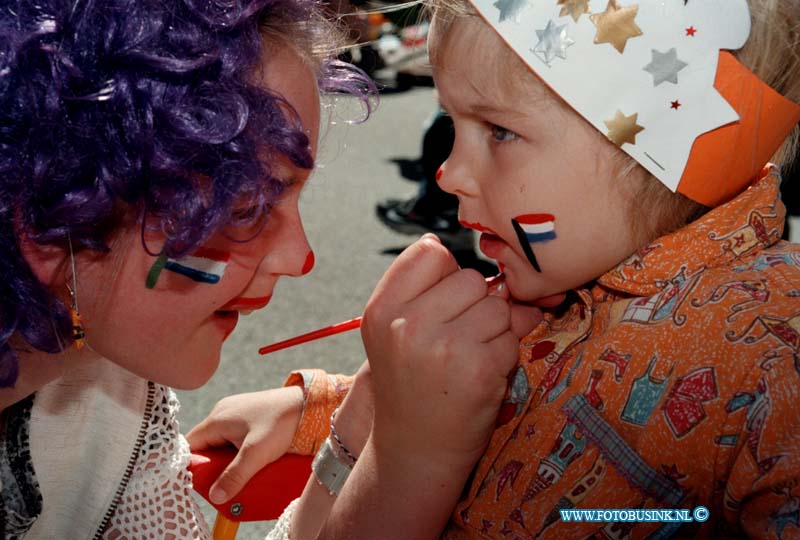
<point x="78" y="334"/>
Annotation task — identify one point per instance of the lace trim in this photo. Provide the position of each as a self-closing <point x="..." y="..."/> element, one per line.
<point x="157" y="503"/>
<point x="282" y="528"/>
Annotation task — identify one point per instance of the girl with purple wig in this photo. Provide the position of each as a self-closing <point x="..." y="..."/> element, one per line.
<point x="151" y="158"/>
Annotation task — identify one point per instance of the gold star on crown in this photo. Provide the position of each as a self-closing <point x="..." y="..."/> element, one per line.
<point x="573" y="8"/>
<point x="616" y="25"/>
<point x="623" y="129"/>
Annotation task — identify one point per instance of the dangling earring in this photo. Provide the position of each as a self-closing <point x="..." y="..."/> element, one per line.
<point x="78" y="335"/>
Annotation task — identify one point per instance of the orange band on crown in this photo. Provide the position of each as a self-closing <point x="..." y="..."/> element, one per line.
<point x="724" y="161"/>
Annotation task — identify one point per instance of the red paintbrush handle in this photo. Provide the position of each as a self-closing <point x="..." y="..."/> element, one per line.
<point x="338" y="328"/>
<point x="493" y="283"/>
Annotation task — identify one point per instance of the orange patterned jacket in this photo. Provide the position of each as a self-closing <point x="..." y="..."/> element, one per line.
<point x="673" y="382"/>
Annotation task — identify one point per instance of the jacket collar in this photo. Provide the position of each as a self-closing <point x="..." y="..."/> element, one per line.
<point x="741" y="227"/>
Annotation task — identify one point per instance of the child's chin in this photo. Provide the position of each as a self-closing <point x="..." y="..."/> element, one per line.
<point x="551" y="301"/>
<point x="535" y="295"/>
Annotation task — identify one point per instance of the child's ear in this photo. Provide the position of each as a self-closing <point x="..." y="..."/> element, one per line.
<point x="45" y="261"/>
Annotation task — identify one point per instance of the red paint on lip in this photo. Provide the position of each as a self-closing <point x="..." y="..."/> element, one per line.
<point x="228" y="333"/>
<point x="439" y="173"/>
<point x="491" y="245"/>
<point x="227" y="321"/>
<point x="309" y="264"/>
<point x="246" y="303"/>
<point x="477" y="226"/>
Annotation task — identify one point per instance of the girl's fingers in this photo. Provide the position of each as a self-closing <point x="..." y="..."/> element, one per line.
<point x="238" y="472"/>
<point x="451" y="297"/>
<point x="505" y="351"/>
<point x="524" y="319"/>
<point x="418" y="268"/>
<point x="497" y="287"/>
<point x="206" y="435"/>
<point x="483" y="321"/>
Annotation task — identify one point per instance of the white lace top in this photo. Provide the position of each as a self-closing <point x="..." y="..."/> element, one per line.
<point x="157" y="503"/>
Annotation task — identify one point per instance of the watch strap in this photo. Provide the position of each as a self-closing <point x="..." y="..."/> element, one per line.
<point x="330" y="470"/>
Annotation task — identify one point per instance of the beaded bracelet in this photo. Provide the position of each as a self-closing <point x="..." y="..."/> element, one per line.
<point x="340" y="447"/>
<point x="333" y="462"/>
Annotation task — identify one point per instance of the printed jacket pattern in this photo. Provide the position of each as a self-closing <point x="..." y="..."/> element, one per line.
<point x="672" y="382"/>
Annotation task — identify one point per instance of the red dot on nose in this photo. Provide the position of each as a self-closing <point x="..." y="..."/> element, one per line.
<point x="439" y="174"/>
<point x="309" y="264"/>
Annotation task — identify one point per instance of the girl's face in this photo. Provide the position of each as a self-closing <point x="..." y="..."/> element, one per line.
<point x="172" y="333"/>
<point x="538" y="180"/>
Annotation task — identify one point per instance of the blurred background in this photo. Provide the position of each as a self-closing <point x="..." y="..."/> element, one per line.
<point x="374" y="193"/>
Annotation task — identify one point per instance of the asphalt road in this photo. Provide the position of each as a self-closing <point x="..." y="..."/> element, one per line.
<point x="352" y="250"/>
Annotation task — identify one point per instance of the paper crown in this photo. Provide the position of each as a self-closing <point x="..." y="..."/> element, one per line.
<point x="653" y="76"/>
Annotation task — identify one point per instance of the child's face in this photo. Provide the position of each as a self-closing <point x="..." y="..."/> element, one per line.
<point x="528" y="171"/>
<point x="173" y="332"/>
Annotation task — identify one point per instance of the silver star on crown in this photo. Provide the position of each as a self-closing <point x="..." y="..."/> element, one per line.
<point x="665" y="66"/>
<point x="553" y="41"/>
<point x="510" y="8"/>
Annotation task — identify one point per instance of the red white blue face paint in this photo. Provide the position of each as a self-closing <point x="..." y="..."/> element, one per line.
<point x="533" y="229"/>
<point x="203" y="266"/>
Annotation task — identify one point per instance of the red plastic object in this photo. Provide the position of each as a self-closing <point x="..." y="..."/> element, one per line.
<point x="331" y="330"/>
<point x="265" y="495"/>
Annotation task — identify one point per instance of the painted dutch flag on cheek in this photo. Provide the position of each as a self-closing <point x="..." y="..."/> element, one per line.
<point x="532" y="229"/>
<point x="203" y="266"/>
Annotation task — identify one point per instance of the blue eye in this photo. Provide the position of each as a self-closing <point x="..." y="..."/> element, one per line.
<point x="501" y="134"/>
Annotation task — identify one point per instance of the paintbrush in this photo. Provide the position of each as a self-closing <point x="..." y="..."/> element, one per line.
<point x="493" y="283"/>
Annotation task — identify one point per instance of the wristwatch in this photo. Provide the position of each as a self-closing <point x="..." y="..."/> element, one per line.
<point x="331" y="470"/>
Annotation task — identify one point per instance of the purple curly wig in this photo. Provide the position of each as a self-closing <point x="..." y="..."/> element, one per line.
<point x="112" y="105"/>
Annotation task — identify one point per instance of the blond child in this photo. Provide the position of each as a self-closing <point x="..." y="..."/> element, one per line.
<point x="668" y="377"/>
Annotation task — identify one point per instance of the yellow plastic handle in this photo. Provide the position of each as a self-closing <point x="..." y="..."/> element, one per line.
<point x="224" y="528"/>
